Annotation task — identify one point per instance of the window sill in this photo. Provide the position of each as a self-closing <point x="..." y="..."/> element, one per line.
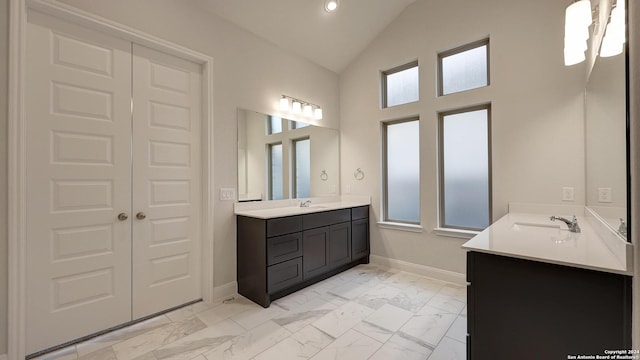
<point x="400" y="226"/>
<point x="456" y="233"/>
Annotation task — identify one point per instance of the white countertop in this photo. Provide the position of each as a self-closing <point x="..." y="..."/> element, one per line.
<point x="281" y="208"/>
<point x="533" y="236"/>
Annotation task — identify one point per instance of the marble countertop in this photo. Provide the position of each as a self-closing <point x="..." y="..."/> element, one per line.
<point x="276" y="209"/>
<point x="533" y="236"/>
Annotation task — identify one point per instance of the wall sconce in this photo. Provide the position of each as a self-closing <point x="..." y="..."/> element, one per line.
<point x="298" y="106"/>
<point x="576" y="31"/>
<point x="615" y="35"/>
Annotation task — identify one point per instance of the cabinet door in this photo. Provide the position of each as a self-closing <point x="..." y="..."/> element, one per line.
<point x="359" y="238"/>
<point x="315" y="246"/>
<point x="339" y="244"/>
<point x="514" y="300"/>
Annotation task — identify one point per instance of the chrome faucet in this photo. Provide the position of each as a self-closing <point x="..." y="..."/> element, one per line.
<point x="304" y="204"/>
<point x="623" y="227"/>
<point x="572" y="224"/>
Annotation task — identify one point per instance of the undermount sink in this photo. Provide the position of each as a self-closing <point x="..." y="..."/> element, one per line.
<point x="528" y="226"/>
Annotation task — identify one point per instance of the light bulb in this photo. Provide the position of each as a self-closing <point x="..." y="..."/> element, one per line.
<point x="284" y="104"/>
<point x="317" y="114"/>
<point x="579" y="13"/>
<point x="572" y="56"/>
<point x="296" y="107"/>
<point x="331" y="5"/>
<point x="307" y="110"/>
<point x="615" y="34"/>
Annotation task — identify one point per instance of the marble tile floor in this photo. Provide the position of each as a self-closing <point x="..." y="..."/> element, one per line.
<point x="366" y="312"/>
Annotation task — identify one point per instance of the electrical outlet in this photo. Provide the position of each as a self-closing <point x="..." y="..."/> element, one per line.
<point x="227" y="194"/>
<point x="567" y="194"/>
<point x="604" y="195"/>
<point x="348" y="189"/>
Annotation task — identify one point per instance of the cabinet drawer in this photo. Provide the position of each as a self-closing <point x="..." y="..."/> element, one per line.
<point x="285" y="225"/>
<point x="283" y="275"/>
<point x="285" y="247"/>
<point x="312" y="221"/>
<point x="361" y="212"/>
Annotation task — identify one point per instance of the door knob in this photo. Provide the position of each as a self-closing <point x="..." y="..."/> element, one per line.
<point x="141" y="216"/>
<point x="123" y="216"/>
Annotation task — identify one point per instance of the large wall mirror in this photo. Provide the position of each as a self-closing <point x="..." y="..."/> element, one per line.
<point x="284" y="159"/>
<point x="606" y="141"/>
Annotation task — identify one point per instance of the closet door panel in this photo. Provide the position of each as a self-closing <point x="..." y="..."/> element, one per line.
<point x="166" y="181"/>
<point x="78" y="180"/>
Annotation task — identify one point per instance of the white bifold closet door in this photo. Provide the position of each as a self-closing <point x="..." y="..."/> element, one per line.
<point x="113" y="190"/>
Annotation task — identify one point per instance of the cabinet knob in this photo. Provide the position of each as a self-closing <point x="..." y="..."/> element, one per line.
<point x="123" y="216"/>
<point x="141" y="216"/>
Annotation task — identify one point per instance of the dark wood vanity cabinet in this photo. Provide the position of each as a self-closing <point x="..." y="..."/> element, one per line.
<point x="524" y="309"/>
<point x="281" y="255"/>
<point x="360" y="232"/>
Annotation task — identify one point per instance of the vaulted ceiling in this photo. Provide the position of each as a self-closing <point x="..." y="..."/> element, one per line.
<point x="303" y="27"/>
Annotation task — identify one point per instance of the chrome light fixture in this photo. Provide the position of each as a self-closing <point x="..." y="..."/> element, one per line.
<point x="576" y="31"/>
<point x="300" y="107"/>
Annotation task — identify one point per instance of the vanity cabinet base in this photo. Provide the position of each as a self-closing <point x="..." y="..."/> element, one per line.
<point x="522" y="309"/>
<point x="276" y="257"/>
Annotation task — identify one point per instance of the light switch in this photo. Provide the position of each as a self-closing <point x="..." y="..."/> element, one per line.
<point x="604" y="195"/>
<point x="227" y="194"/>
<point x="567" y="194"/>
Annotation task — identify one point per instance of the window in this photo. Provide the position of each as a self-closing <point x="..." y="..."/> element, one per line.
<point x="465" y="172"/>
<point x="401" y="161"/>
<point x="301" y="168"/>
<point x="400" y="85"/>
<point x="298" y="125"/>
<point x="275" y="172"/>
<point x="274" y="125"/>
<point x="463" y="68"/>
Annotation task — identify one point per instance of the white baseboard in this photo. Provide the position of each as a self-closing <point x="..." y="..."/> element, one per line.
<point x="223" y="291"/>
<point x="439" y="274"/>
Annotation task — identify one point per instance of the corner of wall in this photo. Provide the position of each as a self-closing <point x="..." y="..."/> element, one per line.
<point x="634" y="124"/>
<point x="4" y="74"/>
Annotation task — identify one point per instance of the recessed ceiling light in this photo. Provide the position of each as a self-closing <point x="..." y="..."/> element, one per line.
<point x="331" y="5"/>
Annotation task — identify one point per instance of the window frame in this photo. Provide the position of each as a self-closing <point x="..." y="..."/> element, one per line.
<point x="441" y="183"/>
<point x="397" y="69"/>
<point x="270" y="170"/>
<point x="461" y="49"/>
<point x="294" y="167"/>
<point x="270" y="119"/>
<point x="385" y="181"/>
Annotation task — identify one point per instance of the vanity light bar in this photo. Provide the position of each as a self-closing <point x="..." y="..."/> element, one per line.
<point x="296" y="106"/>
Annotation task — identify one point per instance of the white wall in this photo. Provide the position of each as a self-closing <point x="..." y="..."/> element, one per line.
<point x="4" y="38"/>
<point x="537" y="111"/>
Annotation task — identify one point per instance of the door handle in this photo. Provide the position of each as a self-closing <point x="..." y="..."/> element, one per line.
<point x="141" y="216"/>
<point x="123" y="216"/>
